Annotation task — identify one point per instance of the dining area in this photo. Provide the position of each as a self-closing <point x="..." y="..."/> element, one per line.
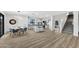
<point x="17" y="31"/>
<point x="16" y="25"/>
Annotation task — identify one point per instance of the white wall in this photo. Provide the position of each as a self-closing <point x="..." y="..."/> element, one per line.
<point x="21" y="21"/>
<point x="75" y="23"/>
<point x="51" y="23"/>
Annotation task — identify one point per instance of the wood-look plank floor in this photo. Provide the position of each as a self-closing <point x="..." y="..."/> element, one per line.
<point x="46" y="39"/>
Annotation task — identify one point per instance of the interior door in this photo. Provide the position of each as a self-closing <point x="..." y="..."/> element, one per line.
<point x="1" y="24"/>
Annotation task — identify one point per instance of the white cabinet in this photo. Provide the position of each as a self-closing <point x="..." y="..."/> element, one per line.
<point x="38" y="29"/>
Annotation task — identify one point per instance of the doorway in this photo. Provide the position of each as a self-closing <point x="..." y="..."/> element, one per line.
<point x="68" y="28"/>
<point x="1" y="24"/>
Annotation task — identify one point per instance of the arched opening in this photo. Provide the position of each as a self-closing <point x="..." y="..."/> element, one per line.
<point x="1" y="24"/>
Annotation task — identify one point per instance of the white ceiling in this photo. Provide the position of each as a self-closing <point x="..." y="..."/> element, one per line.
<point x="45" y="13"/>
<point x="36" y="13"/>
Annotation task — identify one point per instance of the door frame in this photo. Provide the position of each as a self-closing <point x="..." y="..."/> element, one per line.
<point x="3" y="24"/>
